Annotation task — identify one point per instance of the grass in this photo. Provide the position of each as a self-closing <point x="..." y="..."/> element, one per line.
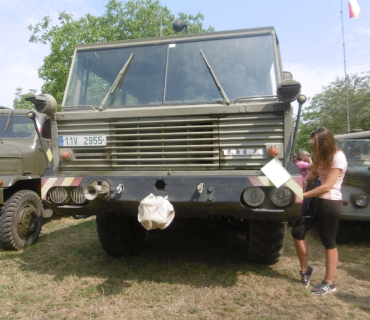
<point x="189" y="273"/>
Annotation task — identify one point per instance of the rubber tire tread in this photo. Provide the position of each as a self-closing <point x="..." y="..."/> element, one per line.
<point x="120" y="235"/>
<point x="265" y="240"/>
<point x="9" y="238"/>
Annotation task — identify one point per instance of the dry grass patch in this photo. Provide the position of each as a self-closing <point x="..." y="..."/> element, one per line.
<point x="193" y="273"/>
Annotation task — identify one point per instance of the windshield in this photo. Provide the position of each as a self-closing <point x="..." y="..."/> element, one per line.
<point x="207" y="71"/>
<point x="16" y="126"/>
<point x="356" y="149"/>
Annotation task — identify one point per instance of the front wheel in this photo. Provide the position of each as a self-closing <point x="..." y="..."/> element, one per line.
<point x="265" y="240"/>
<point x="119" y="235"/>
<point x="20" y="220"/>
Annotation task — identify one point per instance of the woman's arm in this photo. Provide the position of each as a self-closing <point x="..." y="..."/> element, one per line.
<point x="310" y="176"/>
<point x="326" y="187"/>
<point x="303" y="165"/>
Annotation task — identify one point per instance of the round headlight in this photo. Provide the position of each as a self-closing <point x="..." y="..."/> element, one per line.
<point x="281" y="197"/>
<point x="78" y="196"/>
<point x="253" y="196"/>
<point x="58" y="195"/>
<point x="360" y="200"/>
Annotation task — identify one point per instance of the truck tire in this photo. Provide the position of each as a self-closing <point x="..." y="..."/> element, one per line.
<point x="119" y="235"/>
<point x="265" y="240"/>
<point x="345" y="231"/>
<point x="20" y="220"/>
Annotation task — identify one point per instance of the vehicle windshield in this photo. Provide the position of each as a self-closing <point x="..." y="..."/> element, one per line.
<point x="174" y="73"/>
<point x="16" y="126"/>
<point x="356" y="149"/>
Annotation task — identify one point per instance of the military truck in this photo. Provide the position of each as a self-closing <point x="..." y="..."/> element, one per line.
<point x="193" y="117"/>
<point x="356" y="184"/>
<point x="24" y="135"/>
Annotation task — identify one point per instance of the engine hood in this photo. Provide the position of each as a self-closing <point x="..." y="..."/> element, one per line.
<point x="8" y="151"/>
<point x="359" y="171"/>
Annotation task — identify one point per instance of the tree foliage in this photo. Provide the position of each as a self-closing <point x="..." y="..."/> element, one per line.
<point x="20" y="102"/>
<point x="329" y="108"/>
<point x="121" y="21"/>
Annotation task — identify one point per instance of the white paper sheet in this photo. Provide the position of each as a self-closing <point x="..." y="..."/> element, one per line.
<point x="276" y="173"/>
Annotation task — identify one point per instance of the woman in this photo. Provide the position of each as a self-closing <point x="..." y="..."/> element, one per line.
<point x="329" y="165"/>
<point x="303" y="162"/>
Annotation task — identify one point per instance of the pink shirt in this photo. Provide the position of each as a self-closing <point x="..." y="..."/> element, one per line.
<point x="303" y="166"/>
<point x="339" y="162"/>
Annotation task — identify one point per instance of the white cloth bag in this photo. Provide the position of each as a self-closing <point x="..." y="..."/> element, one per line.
<point x="155" y="212"/>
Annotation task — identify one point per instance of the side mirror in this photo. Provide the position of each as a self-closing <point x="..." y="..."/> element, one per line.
<point x="287" y="75"/>
<point x="288" y="90"/>
<point x="44" y="103"/>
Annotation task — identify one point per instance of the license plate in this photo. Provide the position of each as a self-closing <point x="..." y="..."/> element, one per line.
<point x="82" y="141"/>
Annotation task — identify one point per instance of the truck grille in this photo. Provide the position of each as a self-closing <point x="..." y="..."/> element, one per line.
<point x="176" y="143"/>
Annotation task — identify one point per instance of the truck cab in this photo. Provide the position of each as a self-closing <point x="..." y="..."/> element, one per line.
<point x="356" y="184"/>
<point x="193" y="117"/>
<point x="22" y="163"/>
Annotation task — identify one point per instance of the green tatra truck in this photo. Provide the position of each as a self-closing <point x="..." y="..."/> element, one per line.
<point x="192" y="117"/>
<point x="25" y="139"/>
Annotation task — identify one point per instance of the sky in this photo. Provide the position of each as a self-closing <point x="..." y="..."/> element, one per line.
<point x="310" y="35"/>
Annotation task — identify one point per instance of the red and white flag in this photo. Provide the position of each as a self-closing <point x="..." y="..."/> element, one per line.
<point x="354" y="9"/>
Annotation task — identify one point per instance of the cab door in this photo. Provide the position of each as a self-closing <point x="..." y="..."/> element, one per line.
<point x="46" y="138"/>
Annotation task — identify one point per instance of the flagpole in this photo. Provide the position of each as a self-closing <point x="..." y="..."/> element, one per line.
<point x="345" y="69"/>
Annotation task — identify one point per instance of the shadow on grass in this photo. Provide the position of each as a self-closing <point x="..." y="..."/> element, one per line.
<point x="356" y="257"/>
<point x="362" y="303"/>
<point x="194" y="256"/>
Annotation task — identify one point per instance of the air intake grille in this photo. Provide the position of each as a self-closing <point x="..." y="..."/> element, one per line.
<point x="189" y="143"/>
<point x="244" y="140"/>
<point x="177" y="143"/>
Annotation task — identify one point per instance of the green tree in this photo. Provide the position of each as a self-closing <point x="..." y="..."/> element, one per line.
<point x="121" y="21"/>
<point x="329" y="109"/>
<point x="20" y="102"/>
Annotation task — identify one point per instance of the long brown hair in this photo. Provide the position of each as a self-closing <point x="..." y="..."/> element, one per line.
<point x="323" y="148"/>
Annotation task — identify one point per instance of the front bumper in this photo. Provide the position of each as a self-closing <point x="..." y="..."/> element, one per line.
<point x="191" y="195"/>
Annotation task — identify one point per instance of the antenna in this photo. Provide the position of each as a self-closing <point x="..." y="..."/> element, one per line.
<point x="345" y="68"/>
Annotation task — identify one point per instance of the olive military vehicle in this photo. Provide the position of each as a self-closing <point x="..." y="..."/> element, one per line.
<point x="356" y="184"/>
<point x="193" y="117"/>
<point x="24" y="135"/>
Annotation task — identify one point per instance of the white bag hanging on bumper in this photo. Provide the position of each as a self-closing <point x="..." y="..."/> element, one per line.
<point x="155" y="212"/>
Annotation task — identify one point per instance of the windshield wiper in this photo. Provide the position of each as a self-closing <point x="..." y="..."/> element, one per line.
<point x="266" y="97"/>
<point x="218" y="84"/>
<point x="117" y="82"/>
<point x="9" y="121"/>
